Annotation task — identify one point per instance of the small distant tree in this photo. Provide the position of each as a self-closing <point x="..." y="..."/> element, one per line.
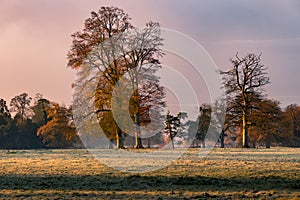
<point x="20" y="105"/>
<point x="5" y="124"/>
<point x="173" y="125"/>
<point x="4" y="113"/>
<point x="40" y="115"/>
<point x="221" y="109"/>
<point x="245" y="79"/>
<point x="293" y="113"/>
<point x="190" y="135"/>
<point x="292" y="124"/>
<point x="204" y="122"/>
<point x="227" y="118"/>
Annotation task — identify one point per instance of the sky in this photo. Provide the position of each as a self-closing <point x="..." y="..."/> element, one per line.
<point x="35" y="36"/>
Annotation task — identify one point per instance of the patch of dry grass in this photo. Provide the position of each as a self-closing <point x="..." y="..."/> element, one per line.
<point x="224" y="173"/>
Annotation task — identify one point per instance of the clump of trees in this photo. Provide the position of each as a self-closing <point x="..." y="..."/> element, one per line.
<point x="251" y="119"/>
<point x="39" y="124"/>
<point x="260" y="120"/>
<point x="124" y="59"/>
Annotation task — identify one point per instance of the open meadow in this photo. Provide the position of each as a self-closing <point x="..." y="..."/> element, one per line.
<point x="222" y="174"/>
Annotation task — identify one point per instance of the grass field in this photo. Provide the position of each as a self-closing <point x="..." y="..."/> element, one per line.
<point x="223" y="174"/>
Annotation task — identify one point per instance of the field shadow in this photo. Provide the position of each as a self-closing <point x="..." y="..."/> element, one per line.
<point x="109" y="182"/>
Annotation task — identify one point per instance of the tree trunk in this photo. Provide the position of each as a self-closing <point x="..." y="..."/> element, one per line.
<point x="245" y="141"/>
<point x="193" y="144"/>
<point x="117" y="140"/>
<point x="148" y="143"/>
<point x="122" y="142"/>
<point x="138" y="139"/>
<point x="222" y="143"/>
<point x="222" y="139"/>
<point x="121" y="139"/>
<point x="268" y="144"/>
<point x="203" y="143"/>
<point x="172" y="140"/>
<point x="140" y="143"/>
<point x="197" y="143"/>
<point x="133" y="141"/>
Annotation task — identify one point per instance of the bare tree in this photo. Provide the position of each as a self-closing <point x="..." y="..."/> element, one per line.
<point x="245" y="79"/>
<point x="142" y="62"/>
<point x="21" y="106"/>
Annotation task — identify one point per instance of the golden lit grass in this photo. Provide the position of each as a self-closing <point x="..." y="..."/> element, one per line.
<point x="224" y="173"/>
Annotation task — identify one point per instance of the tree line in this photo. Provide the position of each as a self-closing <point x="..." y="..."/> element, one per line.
<point x="43" y="124"/>
<point x="28" y="124"/>
<point x="128" y="101"/>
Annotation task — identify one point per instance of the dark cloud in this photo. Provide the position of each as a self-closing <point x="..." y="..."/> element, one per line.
<point x="243" y="19"/>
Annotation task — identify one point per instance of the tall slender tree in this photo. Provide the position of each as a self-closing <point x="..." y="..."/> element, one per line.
<point x="173" y="125"/>
<point x="204" y="122"/>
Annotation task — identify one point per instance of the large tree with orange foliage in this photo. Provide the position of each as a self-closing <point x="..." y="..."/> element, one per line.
<point x="110" y="48"/>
